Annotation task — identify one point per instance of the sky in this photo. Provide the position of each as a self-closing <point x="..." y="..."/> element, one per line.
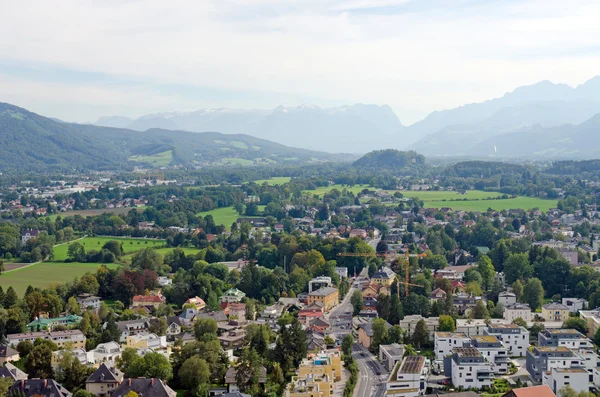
<point x="78" y="60"/>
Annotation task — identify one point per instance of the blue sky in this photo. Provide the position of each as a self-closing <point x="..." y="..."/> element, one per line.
<point x="81" y="59"/>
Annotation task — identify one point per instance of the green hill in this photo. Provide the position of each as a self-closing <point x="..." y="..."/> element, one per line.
<point x="390" y="159"/>
<point x="30" y="142"/>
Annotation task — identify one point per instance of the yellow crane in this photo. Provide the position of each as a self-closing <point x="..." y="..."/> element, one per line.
<point x="406" y="283"/>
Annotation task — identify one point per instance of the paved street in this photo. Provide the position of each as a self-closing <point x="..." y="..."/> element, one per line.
<point x="371" y="374"/>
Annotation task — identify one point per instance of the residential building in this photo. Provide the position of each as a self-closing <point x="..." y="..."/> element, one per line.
<point x="467" y="368"/>
<point x="174" y="326"/>
<point x="105" y="353"/>
<point x="515" y="338"/>
<point x="147" y="387"/>
<point x="39" y="388"/>
<point x="232" y="295"/>
<point x="42" y="324"/>
<point x="89" y="301"/>
<point x="324" y="363"/>
<point x="103" y="381"/>
<point x="518" y="310"/>
<point x="132" y="327"/>
<point x="163" y="281"/>
<point x="79" y="353"/>
<point x="147" y="341"/>
<point x="342" y="272"/>
<point x="543" y="358"/>
<point x="575" y="304"/>
<point x="493" y="351"/>
<point x="365" y="333"/>
<point x="390" y="355"/>
<point x="463" y="303"/>
<point x="558" y="378"/>
<point x="149" y="301"/>
<point x="408" y="324"/>
<point x="8" y="354"/>
<point x="231" y="376"/>
<point x="232" y="339"/>
<point x="319" y="282"/>
<point x="10" y="371"/>
<point x="570" y="338"/>
<point x="373" y="290"/>
<point x="29" y="234"/>
<point x="270" y="314"/>
<point x="196" y="302"/>
<point x="384" y="276"/>
<point x="446" y="341"/>
<point x="507" y="298"/>
<point x="188" y="316"/>
<point x="237" y="313"/>
<point x="328" y="296"/>
<point x="471" y="327"/>
<point x="592" y="318"/>
<point x="74" y="337"/>
<point x="409" y="378"/>
<point x="532" y="391"/>
<point x="319" y="325"/>
<point x="555" y="312"/>
<point x="437" y="294"/>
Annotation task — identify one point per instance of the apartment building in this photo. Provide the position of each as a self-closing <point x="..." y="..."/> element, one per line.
<point x="555" y="312"/>
<point x="75" y="337"/>
<point x="444" y="342"/>
<point x="570" y="338"/>
<point x="515" y="338"/>
<point x="518" y="310"/>
<point x="592" y="318"/>
<point x="467" y="368"/>
<point x="493" y="351"/>
<point x="409" y="377"/>
<point x="390" y="355"/>
<point x="576" y="378"/>
<point x="543" y="358"/>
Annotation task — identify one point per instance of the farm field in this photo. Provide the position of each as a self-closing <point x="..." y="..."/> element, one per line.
<point x="94" y="212"/>
<point x="226" y="215"/>
<point x="45" y="274"/>
<point x="431" y="195"/>
<point x="354" y="189"/>
<point x="235" y="161"/>
<point x="278" y="180"/>
<point x="96" y="243"/>
<point x="525" y="203"/>
<point x="158" y="160"/>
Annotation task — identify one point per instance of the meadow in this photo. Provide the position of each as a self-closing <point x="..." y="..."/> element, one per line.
<point x="96" y="243"/>
<point x="320" y="191"/>
<point x="162" y="159"/>
<point x="525" y="203"/>
<point x="45" y="274"/>
<point x="278" y="180"/>
<point x="432" y="195"/>
<point x="95" y="212"/>
<point x="226" y="215"/>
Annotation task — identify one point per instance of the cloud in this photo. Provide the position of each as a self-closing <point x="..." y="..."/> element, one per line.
<point x="423" y="55"/>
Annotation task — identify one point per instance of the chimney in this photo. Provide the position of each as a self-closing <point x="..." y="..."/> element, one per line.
<point x="129" y="382"/>
<point x="152" y="381"/>
<point x="45" y="383"/>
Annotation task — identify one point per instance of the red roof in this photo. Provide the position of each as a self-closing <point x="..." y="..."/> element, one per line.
<point x="149" y="298"/>
<point x="306" y="313"/>
<point x="534" y="391"/>
<point x="237" y="306"/>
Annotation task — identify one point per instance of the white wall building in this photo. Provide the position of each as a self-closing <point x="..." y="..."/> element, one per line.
<point x="468" y="369"/>
<point x="446" y="341"/>
<point x="576" y="378"/>
<point x="575" y="304"/>
<point x="518" y="310"/>
<point x="512" y="336"/>
<point x="493" y="351"/>
<point x="507" y="298"/>
<point x="411" y="377"/>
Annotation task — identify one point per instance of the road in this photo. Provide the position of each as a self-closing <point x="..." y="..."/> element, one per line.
<point x="369" y="382"/>
<point x="340" y="317"/>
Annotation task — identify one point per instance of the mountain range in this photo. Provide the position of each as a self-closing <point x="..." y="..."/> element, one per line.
<point x="489" y="128"/>
<point x="351" y="129"/>
<point x="30" y="142"/>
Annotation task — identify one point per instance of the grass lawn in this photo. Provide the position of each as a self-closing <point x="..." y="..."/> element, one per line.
<point x="45" y="274"/>
<point x="96" y="243"/>
<point x="278" y="180"/>
<point x="226" y="215"/>
<point x="95" y="212"/>
<point x="354" y="189"/>
<point x="158" y="160"/>
<point x="432" y="195"/>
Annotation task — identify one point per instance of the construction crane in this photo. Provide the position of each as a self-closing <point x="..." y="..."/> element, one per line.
<point x="159" y="175"/>
<point x="406" y="283"/>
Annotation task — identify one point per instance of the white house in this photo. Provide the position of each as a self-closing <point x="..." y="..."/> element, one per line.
<point x="493" y="351"/>
<point x="105" y="352"/>
<point x="390" y="355"/>
<point x="575" y="304"/>
<point x="576" y="378"/>
<point x="518" y="310"/>
<point x="507" y="298"/>
<point x="512" y="336"/>
<point x="410" y="378"/>
<point x="446" y="341"/>
<point x="469" y="369"/>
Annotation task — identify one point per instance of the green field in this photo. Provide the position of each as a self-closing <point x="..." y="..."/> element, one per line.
<point x="432" y="195"/>
<point x="226" y="215"/>
<point x="96" y="243"/>
<point x="525" y="203"/>
<point x="96" y="212"/>
<point x="278" y="180"/>
<point x="45" y="274"/>
<point x="235" y="161"/>
<point x="157" y="160"/>
<point x="354" y="189"/>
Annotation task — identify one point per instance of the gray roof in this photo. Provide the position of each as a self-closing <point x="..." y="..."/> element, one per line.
<point x="148" y="387"/>
<point x="324" y="291"/>
<point x="104" y="374"/>
<point x="555" y="306"/>
<point x="39" y="387"/>
<point x="384" y="272"/>
<point x="10" y="371"/>
<point x="231" y="375"/>
<point x="7" y="351"/>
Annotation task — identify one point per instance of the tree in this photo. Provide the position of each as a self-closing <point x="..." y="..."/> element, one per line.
<point x="568" y="391"/>
<point x="517" y="288"/>
<point x="480" y="310"/>
<point x="147" y="258"/>
<point x="420" y="336"/>
<point x="395" y="310"/>
<point x="10" y="298"/>
<point x="357" y="302"/>
<point x="347" y="344"/>
<point x="446" y="324"/>
<point x="152" y="365"/>
<point x="276" y="376"/>
<point x="72" y="306"/>
<point x="520" y="322"/>
<point x="380" y="333"/>
<point x="71" y="373"/>
<point x="597" y="337"/>
<point x="248" y="372"/>
<point x="516" y="267"/>
<point x="205" y="329"/>
<point x="76" y="252"/>
<point x="576" y="323"/>
<point x="24" y="348"/>
<point x="38" y="363"/>
<point x="533" y="293"/>
<point x="395" y="334"/>
<point x="487" y="271"/>
<point x="2" y="267"/>
<point x="194" y="372"/>
<point x="5" y="384"/>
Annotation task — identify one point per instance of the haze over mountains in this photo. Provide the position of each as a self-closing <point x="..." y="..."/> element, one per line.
<point x="549" y="116"/>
